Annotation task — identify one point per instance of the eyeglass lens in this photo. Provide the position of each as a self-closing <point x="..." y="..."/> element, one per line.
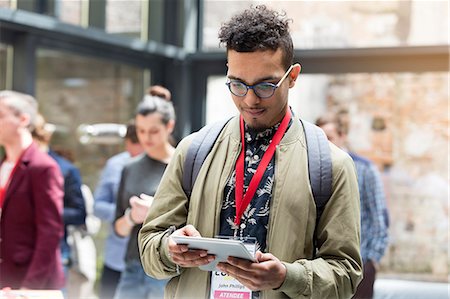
<point x="262" y="90"/>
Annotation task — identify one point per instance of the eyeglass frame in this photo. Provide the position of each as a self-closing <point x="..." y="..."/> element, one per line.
<point x="274" y="86"/>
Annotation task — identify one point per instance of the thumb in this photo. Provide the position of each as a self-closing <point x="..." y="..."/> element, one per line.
<point x="264" y="257"/>
<point x="190" y="230"/>
<point x="133" y="200"/>
<point x="146" y="197"/>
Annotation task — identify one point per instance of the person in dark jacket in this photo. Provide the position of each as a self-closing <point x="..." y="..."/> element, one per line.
<point x="74" y="205"/>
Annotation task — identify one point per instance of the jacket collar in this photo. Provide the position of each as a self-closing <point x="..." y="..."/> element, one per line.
<point x="21" y="169"/>
<point x="293" y="134"/>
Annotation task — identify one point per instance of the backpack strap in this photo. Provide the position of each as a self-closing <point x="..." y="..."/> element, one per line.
<point x="198" y="150"/>
<point x="319" y="165"/>
<point x="319" y="169"/>
<point x="319" y="161"/>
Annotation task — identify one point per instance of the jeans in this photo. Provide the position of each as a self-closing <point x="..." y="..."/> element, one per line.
<point x="134" y="283"/>
<point x="108" y="282"/>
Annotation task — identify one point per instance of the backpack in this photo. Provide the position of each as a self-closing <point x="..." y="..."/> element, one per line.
<point x="319" y="161"/>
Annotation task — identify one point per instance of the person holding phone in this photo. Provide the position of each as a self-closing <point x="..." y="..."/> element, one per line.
<point x="254" y="183"/>
<point x="105" y="208"/>
<point x="155" y="121"/>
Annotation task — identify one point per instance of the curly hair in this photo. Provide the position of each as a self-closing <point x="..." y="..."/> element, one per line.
<point x="258" y="29"/>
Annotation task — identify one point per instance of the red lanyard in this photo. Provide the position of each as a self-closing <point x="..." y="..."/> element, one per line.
<point x="8" y="181"/>
<point x="242" y="201"/>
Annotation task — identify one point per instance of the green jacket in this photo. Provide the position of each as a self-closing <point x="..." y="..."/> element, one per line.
<point x="334" y="273"/>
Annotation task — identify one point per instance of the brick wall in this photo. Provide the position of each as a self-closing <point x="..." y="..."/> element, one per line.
<point x="411" y="151"/>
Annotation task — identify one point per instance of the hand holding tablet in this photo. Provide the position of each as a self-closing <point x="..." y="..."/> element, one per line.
<point x="221" y="248"/>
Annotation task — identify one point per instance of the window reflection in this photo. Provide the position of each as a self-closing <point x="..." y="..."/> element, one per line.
<point x="73" y="90"/>
<point x="101" y="133"/>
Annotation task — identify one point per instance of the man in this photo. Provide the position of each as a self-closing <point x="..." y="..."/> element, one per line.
<point x="281" y="214"/>
<point x="31" y="201"/>
<point x="374" y="217"/>
<point x="105" y="207"/>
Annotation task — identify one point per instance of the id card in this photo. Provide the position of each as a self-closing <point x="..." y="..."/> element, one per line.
<point x="225" y="286"/>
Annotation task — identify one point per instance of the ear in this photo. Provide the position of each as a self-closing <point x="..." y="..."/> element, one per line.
<point x="25" y="120"/>
<point x="170" y="126"/>
<point x="294" y="74"/>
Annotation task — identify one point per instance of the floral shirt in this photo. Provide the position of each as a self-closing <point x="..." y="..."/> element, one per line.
<point x="254" y="221"/>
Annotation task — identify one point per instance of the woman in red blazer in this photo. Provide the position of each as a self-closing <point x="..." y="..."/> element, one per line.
<point x="31" y="202"/>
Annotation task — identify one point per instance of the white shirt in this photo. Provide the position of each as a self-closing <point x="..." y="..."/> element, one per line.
<point x="5" y="171"/>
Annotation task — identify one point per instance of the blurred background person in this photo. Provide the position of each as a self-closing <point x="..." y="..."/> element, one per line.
<point x="162" y="92"/>
<point x="74" y="212"/>
<point x="374" y="216"/>
<point x="31" y="202"/>
<point x="155" y="121"/>
<point x="105" y="206"/>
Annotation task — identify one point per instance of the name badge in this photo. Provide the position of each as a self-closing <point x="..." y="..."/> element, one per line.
<point x="224" y="286"/>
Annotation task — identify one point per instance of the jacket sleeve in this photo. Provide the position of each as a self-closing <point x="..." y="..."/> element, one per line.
<point x="48" y="193"/>
<point x="170" y="208"/>
<point x="74" y="205"/>
<point x="105" y="201"/>
<point x="336" y="269"/>
<point x="122" y="202"/>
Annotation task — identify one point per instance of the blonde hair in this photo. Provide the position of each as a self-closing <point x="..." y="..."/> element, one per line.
<point x="41" y="132"/>
<point x="21" y="103"/>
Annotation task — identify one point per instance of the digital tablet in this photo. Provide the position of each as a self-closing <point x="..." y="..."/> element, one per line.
<point x="221" y="248"/>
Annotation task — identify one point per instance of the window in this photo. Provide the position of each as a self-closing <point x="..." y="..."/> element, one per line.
<point x="70" y="11"/>
<point x="5" y="66"/>
<point x="73" y="90"/>
<point x="345" y="24"/>
<point x="124" y="17"/>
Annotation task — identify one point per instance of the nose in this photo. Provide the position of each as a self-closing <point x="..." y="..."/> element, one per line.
<point x="148" y="137"/>
<point x="144" y="138"/>
<point x="251" y="99"/>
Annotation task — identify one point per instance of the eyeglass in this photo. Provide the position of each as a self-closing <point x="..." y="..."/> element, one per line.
<point x="262" y="90"/>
